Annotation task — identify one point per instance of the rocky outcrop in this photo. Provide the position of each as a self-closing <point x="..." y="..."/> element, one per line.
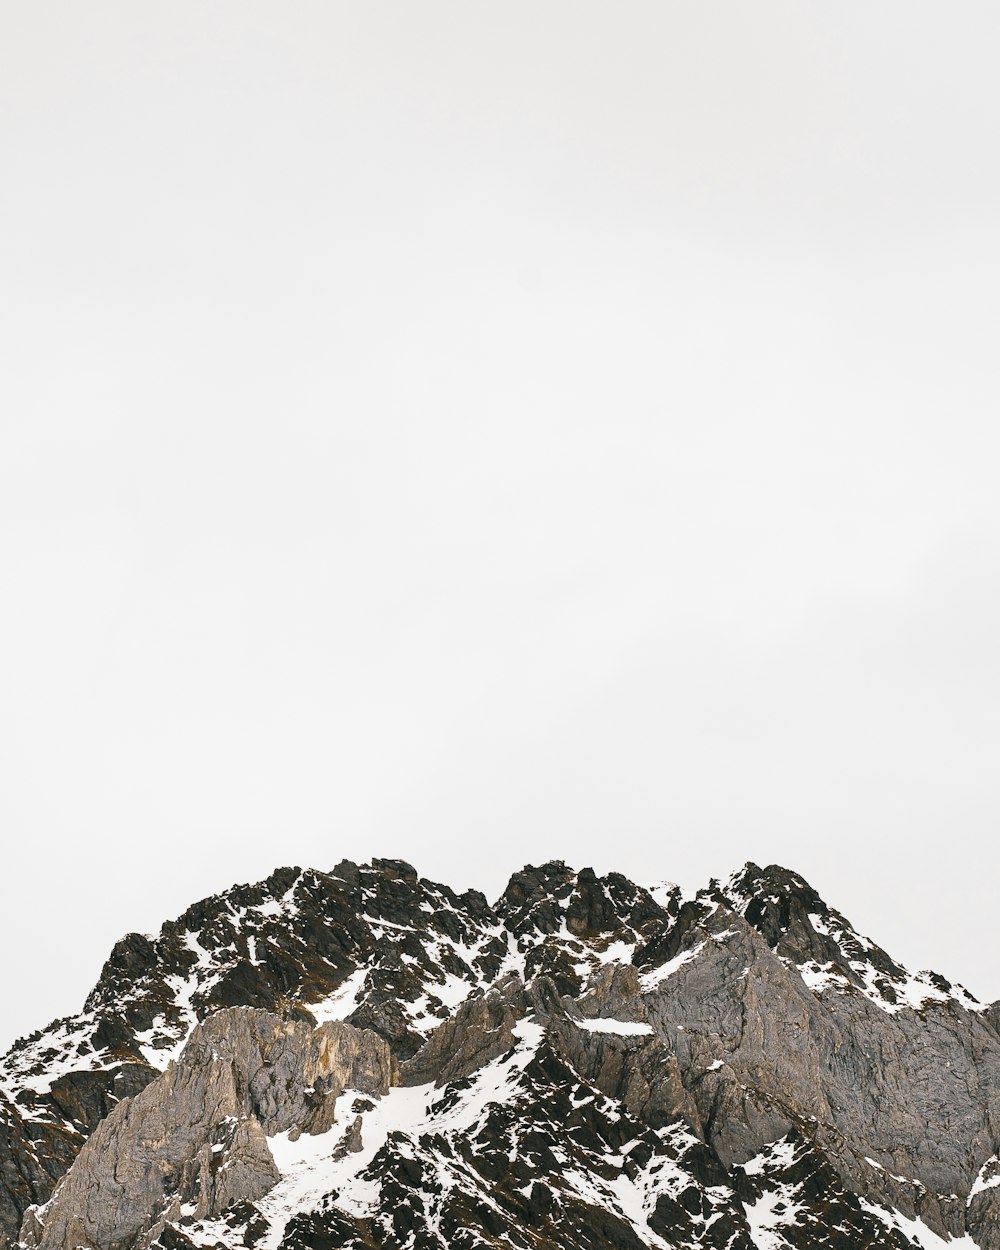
<point x="481" y="1030"/>
<point x="373" y="943"/>
<point x="24" y="1178"/>
<point x="764" y="1053"/>
<point x="195" y="1140"/>
<point x="983" y="1203"/>
<point x="586" y="1062"/>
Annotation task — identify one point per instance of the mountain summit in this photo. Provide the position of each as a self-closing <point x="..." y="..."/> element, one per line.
<point x="365" y="1059"/>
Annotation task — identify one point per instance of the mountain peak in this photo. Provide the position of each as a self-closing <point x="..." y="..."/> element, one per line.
<point x="587" y="1061"/>
<point x="751" y="878"/>
<point x="822" y="944"/>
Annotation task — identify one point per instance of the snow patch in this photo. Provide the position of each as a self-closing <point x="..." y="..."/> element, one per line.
<point x="653" y="980"/>
<point x="987" y="1178"/>
<point x="917" y="1232"/>
<point x="310" y="1171"/>
<point x="343" y="1000"/>
<point x="624" y="1028"/>
<point x="662" y="892"/>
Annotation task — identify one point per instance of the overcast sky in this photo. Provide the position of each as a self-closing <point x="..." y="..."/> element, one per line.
<point x="483" y="433"/>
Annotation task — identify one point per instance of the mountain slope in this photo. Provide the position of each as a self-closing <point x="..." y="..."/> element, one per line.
<point x="586" y="1062"/>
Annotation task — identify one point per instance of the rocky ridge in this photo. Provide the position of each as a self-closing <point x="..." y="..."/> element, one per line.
<point x="364" y="1058"/>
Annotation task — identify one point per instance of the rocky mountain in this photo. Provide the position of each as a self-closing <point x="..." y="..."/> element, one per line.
<point x="362" y="1058"/>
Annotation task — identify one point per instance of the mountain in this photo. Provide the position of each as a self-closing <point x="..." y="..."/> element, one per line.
<point x="363" y="1058"/>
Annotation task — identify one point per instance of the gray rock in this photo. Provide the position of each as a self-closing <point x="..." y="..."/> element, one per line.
<point x="917" y="1092"/>
<point x="749" y="1016"/>
<point x="479" y="1032"/>
<point x="197" y="1135"/>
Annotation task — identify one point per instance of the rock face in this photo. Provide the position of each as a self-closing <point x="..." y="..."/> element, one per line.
<point x="366" y="1059"/>
<point x="195" y="1140"/>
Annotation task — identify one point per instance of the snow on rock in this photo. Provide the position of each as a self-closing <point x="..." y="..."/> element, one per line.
<point x="624" y="1028"/>
<point x="343" y="1000"/>
<point x="988" y="1177"/>
<point x="917" y="1232"/>
<point x="655" y="979"/>
<point x="390" y="953"/>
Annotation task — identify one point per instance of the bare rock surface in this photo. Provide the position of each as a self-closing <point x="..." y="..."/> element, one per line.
<point x="363" y="1058"/>
<point x="197" y="1136"/>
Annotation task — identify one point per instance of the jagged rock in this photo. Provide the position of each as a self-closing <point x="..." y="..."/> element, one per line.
<point x="481" y="1030"/>
<point x="812" y="1208"/>
<point x="197" y="1134"/>
<point x="588" y="1062"/>
<point x="871" y="1079"/>
<point x="24" y="1179"/>
<point x="86" y="1098"/>
<point x="373" y="940"/>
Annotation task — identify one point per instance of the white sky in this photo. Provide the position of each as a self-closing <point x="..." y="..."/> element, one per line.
<point x="489" y="432"/>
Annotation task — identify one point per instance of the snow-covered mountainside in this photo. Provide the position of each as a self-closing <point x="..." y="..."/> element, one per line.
<point x="362" y="1058"/>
